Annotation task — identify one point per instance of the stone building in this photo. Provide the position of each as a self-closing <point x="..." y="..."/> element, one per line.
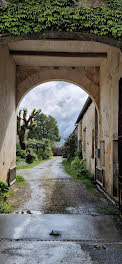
<point x="95" y="154"/>
<point x="91" y="61"/>
<point x="86" y="133"/>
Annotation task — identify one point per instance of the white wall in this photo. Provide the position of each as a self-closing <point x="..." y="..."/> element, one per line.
<point x="109" y="88"/>
<point x="88" y="123"/>
<point x="7" y="112"/>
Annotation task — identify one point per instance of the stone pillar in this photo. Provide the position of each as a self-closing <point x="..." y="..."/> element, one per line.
<point x="7" y="113"/>
<point x="109" y="87"/>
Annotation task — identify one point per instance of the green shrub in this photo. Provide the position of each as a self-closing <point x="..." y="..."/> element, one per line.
<point x="79" y="153"/>
<point x="41" y="148"/>
<point x="79" y="166"/>
<point x="70" y="146"/>
<point x="18" y="146"/>
<point x="21" y="153"/>
<point x="20" y="179"/>
<point x="3" y="195"/>
<point x="3" y="187"/>
<point x="30" y="157"/>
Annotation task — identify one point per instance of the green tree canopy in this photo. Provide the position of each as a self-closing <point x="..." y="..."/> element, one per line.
<point x="70" y="146"/>
<point x="24" y="123"/>
<point x="45" y="127"/>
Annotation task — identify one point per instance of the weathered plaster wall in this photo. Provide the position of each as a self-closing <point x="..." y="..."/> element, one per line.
<point x="7" y="113"/>
<point x="80" y="131"/>
<point x="109" y="87"/>
<point x="88" y="124"/>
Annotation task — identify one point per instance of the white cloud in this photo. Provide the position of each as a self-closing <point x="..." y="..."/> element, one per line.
<point x="60" y="99"/>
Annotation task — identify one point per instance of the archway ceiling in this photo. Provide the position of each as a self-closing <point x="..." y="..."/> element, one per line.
<point x="60" y="53"/>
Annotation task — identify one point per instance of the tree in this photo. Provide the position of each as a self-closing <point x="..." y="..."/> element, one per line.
<point x="70" y="146"/>
<point x="24" y="123"/>
<point x="46" y="127"/>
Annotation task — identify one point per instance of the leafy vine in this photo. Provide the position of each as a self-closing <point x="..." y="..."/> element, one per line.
<point x="20" y="17"/>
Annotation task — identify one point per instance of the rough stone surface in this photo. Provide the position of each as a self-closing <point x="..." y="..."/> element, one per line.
<point x="33" y="252"/>
<point x="7" y="113"/>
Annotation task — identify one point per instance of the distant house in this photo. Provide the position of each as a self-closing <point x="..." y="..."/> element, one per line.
<point x="57" y="151"/>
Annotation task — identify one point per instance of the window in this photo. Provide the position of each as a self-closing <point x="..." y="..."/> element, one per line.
<point x="102" y="153"/>
<point x="92" y="144"/>
<point x="84" y="140"/>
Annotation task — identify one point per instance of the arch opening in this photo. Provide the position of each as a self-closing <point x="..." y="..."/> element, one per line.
<point x="74" y="89"/>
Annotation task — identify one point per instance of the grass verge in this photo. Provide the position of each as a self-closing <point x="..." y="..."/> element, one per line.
<point x="108" y="210"/>
<point x="6" y="206"/>
<point x="87" y="181"/>
<point x="22" y="164"/>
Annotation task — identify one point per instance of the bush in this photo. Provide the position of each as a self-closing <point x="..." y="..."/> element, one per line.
<point x="79" y="166"/>
<point x="21" y="153"/>
<point x="70" y="146"/>
<point x="3" y="187"/>
<point x="30" y="157"/>
<point x="40" y="147"/>
<point x="18" y="146"/>
<point x="79" y="153"/>
<point x="3" y="195"/>
<point x="20" y="179"/>
<point x="76" y="163"/>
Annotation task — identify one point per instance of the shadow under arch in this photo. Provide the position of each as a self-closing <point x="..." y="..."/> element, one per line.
<point x="74" y="76"/>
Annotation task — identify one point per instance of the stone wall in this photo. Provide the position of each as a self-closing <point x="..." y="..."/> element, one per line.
<point x="88" y="126"/>
<point x="108" y="133"/>
<point x="7" y="113"/>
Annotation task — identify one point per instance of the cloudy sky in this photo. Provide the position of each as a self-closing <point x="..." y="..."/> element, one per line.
<point x="60" y="99"/>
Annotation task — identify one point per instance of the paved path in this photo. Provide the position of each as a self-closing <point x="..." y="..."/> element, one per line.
<point x="81" y="239"/>
<point x="81" y="234"/>
<point x="55" y="192"/>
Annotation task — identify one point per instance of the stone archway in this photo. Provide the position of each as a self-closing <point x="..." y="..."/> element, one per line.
<point x="86" y="78"/>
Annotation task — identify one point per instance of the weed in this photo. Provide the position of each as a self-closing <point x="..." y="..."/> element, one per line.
<point x="20" y="180"/>
<point x="108" y="210"/>
<point x="74" y="169"/>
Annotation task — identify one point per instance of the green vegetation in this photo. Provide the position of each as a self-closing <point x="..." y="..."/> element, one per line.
<point x="22" y="164"/>
<point x="45" y="127"/>
<point x="108" y="210"/>
<point x="6" y="192"/>
<point x="70" y="146"/>
<point x="37" y="134"/>
<point x="75" y="164"/>
<point x="20" y="180"/>
<point x="20" y="17"/>
<point x="76" y="169"/>
<point x="25" y="123"/>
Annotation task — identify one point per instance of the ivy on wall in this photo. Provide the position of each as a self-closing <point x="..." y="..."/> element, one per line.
<point x="20" y="17"/>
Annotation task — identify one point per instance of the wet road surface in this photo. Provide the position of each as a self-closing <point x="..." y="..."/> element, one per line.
<point x="55" y="192"/>
<point x="66" y="224"/>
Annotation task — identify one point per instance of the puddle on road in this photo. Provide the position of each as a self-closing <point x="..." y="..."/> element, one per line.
<point x="29" y="212"/>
